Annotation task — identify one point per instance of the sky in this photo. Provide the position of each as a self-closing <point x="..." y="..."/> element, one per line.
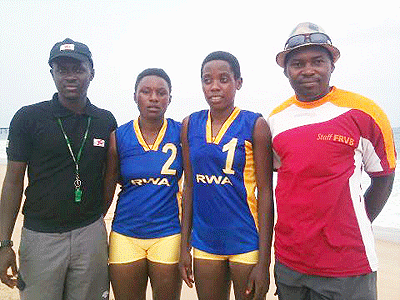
<point x="125" y="37"/>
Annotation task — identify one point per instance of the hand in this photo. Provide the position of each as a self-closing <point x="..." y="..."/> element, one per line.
<point x="185" y="267"/>
<point x="7" y="260"/>
<point x="258" y="282"/>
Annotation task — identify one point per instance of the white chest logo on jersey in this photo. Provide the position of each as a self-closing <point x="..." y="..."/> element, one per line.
<point x="151" y="180"/>
<point x="212" y="179"/>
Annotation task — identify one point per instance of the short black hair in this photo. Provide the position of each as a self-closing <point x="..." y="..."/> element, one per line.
<point x="291" y="53"/>
<point x="226" y="56"/>
<point x="153" y="72"/>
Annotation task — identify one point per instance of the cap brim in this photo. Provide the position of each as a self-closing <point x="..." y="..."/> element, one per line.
<point x="280" y="57"/>
<point x="74" y="55"/>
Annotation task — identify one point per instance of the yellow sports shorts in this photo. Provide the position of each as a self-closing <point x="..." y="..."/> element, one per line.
<point x="249" y="258"/>
<point x="125" y="249"/>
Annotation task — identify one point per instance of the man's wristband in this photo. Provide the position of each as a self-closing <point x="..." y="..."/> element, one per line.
<point x="6" y="243"/>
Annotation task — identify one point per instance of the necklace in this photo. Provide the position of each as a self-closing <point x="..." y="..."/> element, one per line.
<point x="77" y="181"/>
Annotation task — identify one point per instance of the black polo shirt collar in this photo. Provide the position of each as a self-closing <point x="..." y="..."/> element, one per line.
<point x="59" y="111"/>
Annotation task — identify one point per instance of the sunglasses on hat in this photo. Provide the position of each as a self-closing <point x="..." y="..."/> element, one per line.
<point x="309" y="38"/>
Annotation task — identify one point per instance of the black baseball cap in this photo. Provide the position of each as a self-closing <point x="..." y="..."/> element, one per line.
<point x="70" y="48"/>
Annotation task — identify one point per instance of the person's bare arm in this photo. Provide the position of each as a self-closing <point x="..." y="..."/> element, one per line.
<point x="377" y="194"/>
<point x="259" y="278"/>
<point x="10" y="203"/>
<point x="111" y="173"/>
<point x="185" y="261"/>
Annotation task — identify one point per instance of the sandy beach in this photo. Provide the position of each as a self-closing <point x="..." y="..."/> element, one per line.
<point x="387" y="246"/>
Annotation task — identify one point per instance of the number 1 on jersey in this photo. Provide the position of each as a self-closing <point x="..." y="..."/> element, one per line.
<point x="230" y="147"/>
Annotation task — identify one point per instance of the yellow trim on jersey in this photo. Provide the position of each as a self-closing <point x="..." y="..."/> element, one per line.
<point x="249" y="179"/>
<point x="368" y="106"/>
<point x="142" y="141"/>
<point x="223" y="129"/>
<point x="179" y="195"/>
<point x="282" y="106"/>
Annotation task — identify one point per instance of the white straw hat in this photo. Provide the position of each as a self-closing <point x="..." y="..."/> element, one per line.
<point x="307" y="29"/>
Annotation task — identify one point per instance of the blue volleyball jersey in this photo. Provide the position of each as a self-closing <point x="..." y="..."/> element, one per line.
<point x="148" y="202"/>
<point x="224" y="183"/>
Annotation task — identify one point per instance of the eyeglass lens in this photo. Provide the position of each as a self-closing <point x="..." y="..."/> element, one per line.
<point x="300" y="39"/>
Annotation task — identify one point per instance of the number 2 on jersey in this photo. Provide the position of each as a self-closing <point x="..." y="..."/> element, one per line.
<point x="166" y="167"/>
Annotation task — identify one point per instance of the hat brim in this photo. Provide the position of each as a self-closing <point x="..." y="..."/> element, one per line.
<point x="74" y="55"/>
<point x="280" y="57"/>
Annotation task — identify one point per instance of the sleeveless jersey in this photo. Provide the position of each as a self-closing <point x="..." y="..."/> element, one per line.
<point x="148" y="202"/>
<point x="321" y="149"/>
<point x="224" y="183"/>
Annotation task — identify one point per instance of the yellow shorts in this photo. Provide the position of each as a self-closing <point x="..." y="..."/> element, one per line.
<point x="249" y="258"/>
<point x="125" y="249"/>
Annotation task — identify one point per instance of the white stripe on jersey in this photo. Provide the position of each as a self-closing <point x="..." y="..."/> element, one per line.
<point x="295" y="116"/>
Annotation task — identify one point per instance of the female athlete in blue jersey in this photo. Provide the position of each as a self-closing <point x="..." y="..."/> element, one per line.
<point x="146" y="158"/>
<point x="227" y="162"/>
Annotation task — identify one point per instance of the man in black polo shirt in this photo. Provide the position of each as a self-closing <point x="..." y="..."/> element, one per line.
<point x="63" y="144"/>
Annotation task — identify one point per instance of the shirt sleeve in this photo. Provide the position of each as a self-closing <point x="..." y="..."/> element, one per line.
<point x="19" y="145"/>
<point x="377" y="144"/>
<point x="113" y="121"/>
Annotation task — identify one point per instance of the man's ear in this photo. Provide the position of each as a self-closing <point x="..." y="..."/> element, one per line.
<point x="333" y="67"/>
<point x="239" y="83"/>
<point x="285" y="71"/>
<point x="91" y="74"/>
